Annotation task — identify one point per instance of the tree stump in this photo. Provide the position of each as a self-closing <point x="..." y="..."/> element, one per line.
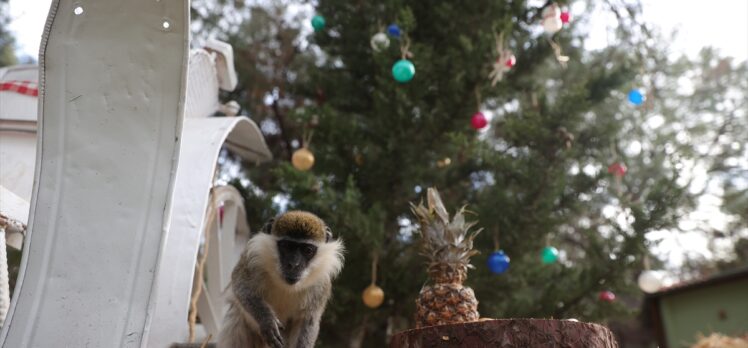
<point x="508" y="333"/>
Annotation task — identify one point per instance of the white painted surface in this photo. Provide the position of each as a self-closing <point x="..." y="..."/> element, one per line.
<point x="195" y="207"/>
<point x="17" y="160"/>
<point x="202" y="85"/>
<point x="109" y="126"/>
<point x="225" y="237"/>
<point x="202" y="139"/>
<point x="17" y="209"/>
<point x="224" y="61"/>
<point x="14" y="106"/>
<point x="17" y="135"/>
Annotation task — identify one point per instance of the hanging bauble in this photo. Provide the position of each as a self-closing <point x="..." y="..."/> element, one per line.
<point x="510" y="61"/>
<point x="549" y="255"/>
<point x="302" y="159"/>
<point x="379" y="42"/>
<point x="478" y="121"/>
<point x="552" y="19"/>
<point x="373" y="296"/>
<point x="318" y="22"/>
<point x="498" y="262"/>
<point x="503" y="63"/>
<point x="394" y="31"/>
<point x="403" y="70"/>
<point x="606" y="296"/>
<point x="636" y="97"/>
<point x="565" y="17"/>
<point x="443" y="162"/>
<point x="618" y="169"/>
<point x="649" y="281"/>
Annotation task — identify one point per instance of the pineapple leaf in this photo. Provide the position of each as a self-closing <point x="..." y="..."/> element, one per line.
<point x="436" y="205"/>
<point x="444" y="243"/>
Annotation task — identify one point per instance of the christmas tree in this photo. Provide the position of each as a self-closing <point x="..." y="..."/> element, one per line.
<point x="371" y="103"/>
<point x="7" y="56"/>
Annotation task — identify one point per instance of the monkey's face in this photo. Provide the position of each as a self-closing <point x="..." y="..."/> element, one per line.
<point x="294" y="256"/>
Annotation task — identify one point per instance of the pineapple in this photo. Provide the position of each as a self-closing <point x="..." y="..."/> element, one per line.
<point x="448" y="247"/>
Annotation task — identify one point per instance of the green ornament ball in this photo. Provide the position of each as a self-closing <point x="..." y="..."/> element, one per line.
<point x="403" y="70"/>
<point x="549" y="255"/>
<point x="318" y="22"/>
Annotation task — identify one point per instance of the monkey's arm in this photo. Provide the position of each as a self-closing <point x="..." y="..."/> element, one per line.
<point x="308" y="331"/>
<point x="309" y="324"/>
<point x="253" y="304"/>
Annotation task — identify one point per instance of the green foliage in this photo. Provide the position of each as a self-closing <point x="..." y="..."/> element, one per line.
<point x="7" y="54"/>
<point x="377" y="143"/>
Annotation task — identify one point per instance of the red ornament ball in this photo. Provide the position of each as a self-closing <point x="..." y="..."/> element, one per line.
<point x="478" y="121"/>
<point x="510" y="62"/>
<point x="618" y="169"/>
<point x="607" y="296"/>
<point x="565" y="17"/>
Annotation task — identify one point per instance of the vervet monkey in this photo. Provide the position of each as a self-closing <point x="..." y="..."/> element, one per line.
<point x="281" y="285"/>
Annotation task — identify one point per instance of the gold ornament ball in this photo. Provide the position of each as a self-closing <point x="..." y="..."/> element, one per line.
<point x="443" y="162"/>
<point x="373" y="296"/>
<point x="302" y="159"/>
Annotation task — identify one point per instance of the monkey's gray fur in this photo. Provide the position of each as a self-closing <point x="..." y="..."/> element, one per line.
<point x="268" y="310"/>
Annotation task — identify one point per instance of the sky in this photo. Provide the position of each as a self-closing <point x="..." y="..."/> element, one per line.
<point x="722" y="24"/>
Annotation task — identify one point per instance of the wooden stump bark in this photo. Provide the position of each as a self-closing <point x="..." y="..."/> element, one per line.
<point x="520" y="333"/>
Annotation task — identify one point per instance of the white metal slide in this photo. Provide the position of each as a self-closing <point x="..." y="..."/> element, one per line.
<point x="112" y="81"/>
<point x="201" y="143"/>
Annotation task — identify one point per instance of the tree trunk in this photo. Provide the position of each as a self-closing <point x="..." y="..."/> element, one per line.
<point x="508" y="333"/>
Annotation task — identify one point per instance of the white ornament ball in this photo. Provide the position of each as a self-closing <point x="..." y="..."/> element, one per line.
<point x="379" y="42"/>
<point x="552" y="25"/>
<point x="552" y="22"/>
<point x="649" y="281"/>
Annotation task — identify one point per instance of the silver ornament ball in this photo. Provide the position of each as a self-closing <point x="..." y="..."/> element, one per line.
<point x="379" y="42"/>
<point x="649" y="281"/>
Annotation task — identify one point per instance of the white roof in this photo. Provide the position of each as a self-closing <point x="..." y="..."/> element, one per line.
<point x="14" y="106"/>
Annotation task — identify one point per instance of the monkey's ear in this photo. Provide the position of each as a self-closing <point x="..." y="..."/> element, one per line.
<point x="328" y="234"/>
<point x="268" y="227"/>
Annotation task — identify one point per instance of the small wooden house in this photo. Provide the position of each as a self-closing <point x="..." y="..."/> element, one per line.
<point x="718" y="304"/>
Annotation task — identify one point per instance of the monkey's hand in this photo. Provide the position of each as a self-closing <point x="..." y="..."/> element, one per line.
<point x="271" y="332"/>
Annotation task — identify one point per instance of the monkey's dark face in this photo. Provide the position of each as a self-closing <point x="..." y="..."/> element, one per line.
<point x="294" y="258"/>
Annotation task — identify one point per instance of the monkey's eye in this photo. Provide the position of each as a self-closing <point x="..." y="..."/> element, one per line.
<point x="308" y="250"/>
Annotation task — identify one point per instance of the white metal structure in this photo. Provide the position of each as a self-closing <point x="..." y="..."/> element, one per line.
<point x="17" y="147"/>
<point x="201" y="142"/>
<point x="122" y="179"/>
<point x="18" y="90"/>
<point x="108" y="140"/>
<point x="194" y="205"/>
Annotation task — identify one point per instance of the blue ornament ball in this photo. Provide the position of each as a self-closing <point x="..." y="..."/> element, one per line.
<point x="636" y="97"/>
<point x="394" y="30"/>
<point x="498" y="262"/>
